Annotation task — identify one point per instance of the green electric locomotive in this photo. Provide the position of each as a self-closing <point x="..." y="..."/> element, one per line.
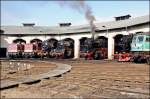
<point x="140" y="47"/>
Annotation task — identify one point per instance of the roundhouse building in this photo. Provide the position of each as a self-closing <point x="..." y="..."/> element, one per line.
<point x="123" y="25"/>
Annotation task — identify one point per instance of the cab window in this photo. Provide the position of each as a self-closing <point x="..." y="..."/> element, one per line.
<point x="140" y="39"/>
<point x="147" y="39"/>
<point x="134" y="39"/>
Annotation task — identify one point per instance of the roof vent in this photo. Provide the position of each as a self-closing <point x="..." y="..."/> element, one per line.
<point x="29" y="24"/>
<point x="122" y="17"/>
<point x="64" y="24"/>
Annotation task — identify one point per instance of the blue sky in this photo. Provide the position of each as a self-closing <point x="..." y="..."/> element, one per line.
<point x="50" y="13"/>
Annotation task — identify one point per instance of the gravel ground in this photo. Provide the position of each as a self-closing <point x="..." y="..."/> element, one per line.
<point x="33" y="68"/>
<point x="89" y="79"/>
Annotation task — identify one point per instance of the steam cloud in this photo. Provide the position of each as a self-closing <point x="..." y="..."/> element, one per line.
<point x="81" y="7"/>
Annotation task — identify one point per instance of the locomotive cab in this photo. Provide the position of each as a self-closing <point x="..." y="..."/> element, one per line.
<point x="140" y="48"/>
<point x="140" y="43"/>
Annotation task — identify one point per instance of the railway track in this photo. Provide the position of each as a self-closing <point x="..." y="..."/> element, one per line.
<point x="99" y="80"/>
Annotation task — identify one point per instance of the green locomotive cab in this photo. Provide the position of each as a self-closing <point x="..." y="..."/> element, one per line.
<point x="140" y="42"/>
<point x="140" y="47"/>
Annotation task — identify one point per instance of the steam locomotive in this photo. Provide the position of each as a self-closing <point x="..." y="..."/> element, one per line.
<point x="60" y="49"/>
<point x="93" y="49"/>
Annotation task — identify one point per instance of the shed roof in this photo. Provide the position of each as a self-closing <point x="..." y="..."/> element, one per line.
<point x="74" y="29"/>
